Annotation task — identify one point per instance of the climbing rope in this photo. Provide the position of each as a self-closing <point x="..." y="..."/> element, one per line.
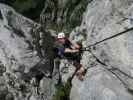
<point x="112" y="69"/>
<point x="88" y="48"/>
<point x="105" y="66"/>
<point x="109" y="38"/>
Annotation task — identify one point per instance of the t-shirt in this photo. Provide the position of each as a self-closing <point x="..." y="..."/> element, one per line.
<point x="60" y="48"/>
<point x="67" y="44"/>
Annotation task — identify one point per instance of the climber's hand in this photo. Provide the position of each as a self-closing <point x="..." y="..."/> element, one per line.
<point x="74" y="51"/>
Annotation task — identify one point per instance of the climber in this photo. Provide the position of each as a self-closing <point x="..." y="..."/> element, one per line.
<point x="71" y="51"/>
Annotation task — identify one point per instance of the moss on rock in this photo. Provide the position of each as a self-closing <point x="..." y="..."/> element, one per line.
<point x="63" y="91"/>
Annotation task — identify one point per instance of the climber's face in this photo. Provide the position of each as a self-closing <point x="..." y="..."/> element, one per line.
<point x="62" y="40"/>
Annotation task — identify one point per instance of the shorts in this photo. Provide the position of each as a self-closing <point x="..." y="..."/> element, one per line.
<point x="74" y="58"/>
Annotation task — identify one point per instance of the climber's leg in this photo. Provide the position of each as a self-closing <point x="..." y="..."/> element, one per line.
<point x="56" y="72"/>
<point x="80" y="70"/>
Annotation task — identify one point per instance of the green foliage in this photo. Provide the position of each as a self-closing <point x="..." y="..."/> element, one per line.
<point x="76" y="12"/>
<point x="29" y="8"/>
<point x="67" y="15"/>
<point x="24" y="5"/>
<point x="63" y="91"/>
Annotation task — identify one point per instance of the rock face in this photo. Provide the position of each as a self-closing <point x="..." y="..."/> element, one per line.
<point x="14" y="33"/>
<point x="26" y="52"/>
<point x="111" y="77"/>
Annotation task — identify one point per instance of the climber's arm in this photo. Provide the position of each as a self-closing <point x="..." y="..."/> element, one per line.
<point x="75" y="46"/>
<point x="67" y="50"/>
